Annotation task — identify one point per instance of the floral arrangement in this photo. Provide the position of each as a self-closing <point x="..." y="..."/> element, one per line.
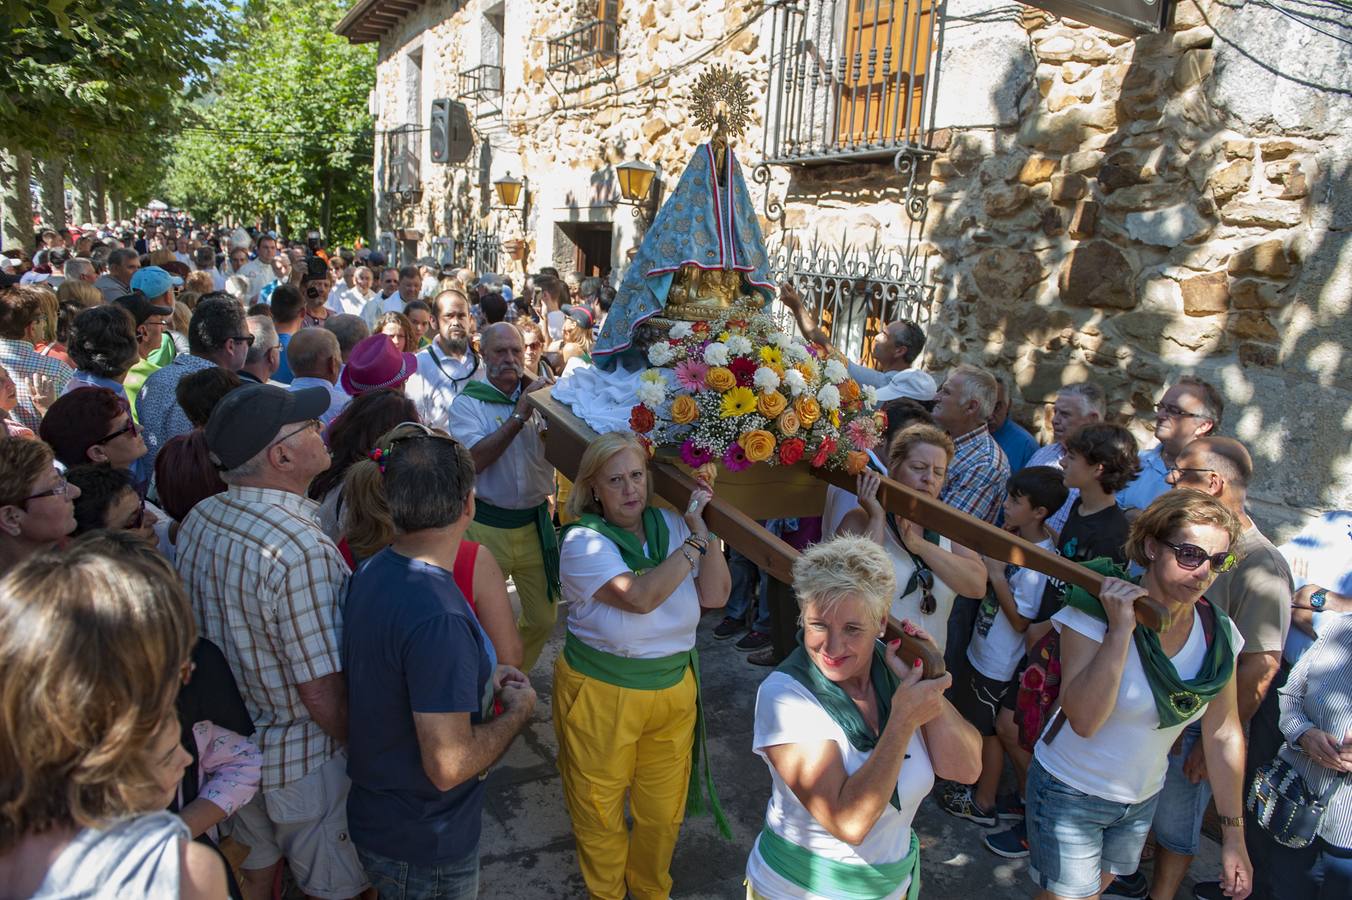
<point x="740" y="391"/>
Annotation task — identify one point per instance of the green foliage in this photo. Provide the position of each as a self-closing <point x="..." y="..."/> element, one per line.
<point x="284" y="127"/>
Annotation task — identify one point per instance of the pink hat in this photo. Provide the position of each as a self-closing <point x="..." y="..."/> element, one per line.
<point x="375" y="364"/>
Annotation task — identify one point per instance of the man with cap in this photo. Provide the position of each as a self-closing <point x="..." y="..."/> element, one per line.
<point x="152" y="336"/>
<point x="447" y="364"/>
<point x="315" y="362"/>
<point x="217" y="336"/>
<point x="376" y="363"/>
<point x="122" y="265"/>
<point x="267" y="587"/>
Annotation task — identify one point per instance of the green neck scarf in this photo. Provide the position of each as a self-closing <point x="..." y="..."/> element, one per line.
<point x="1176" y="700"/>
<point x="655" y="531"/>
<point x="482" y="390"/>
<point x="838" y="704"/>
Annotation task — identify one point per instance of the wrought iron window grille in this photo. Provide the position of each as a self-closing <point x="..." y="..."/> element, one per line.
<point x="403" y="164"/>
<point x="483" y="85"/>
<point x="478" y="249"/>
<point x="589" y="53"/>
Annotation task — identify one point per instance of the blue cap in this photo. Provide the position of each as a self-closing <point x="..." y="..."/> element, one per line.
<point x="154" y="281"/>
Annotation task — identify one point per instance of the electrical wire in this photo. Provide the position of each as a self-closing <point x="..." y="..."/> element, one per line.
<point x="1303" y="20"/>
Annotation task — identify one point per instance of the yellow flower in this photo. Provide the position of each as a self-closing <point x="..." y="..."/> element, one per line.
<point x="810" y="370"/>
<point x="759" y="445"/>
<point x="771" y="404"/>
<point x="849" y="390"/>
<point x="684" y="410"/>
<point x="720" y="378"/>
<point x="855" y="462"/>
<point x="738" y="401"/>
<point x="788" y="423"/>
<point x="808" y="409"/>
<point x="835" y="418"/>
<point x="771" y="356"/>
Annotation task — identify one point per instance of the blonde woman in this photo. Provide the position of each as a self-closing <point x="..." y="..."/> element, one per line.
<point x="577" y="335"/>
<point x="78" y="292"/>
<point x="853" y="737"/>
<point x="92" y="652"/>
<point x="626" y="686"/>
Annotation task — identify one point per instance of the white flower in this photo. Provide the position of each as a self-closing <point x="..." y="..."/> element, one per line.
<point x="739" y="345"/>
<point x="716" y="354"/>
<point x="651" y="395"/>
<point x="766" y="379"/>
<point x="680" y="331"/>
<point x="761" y="322"/>
<point x="835" y="371"/>
<point x="870" y="395"/>
<point x="660" y="354"/>
<point x="778" y="339"/>
<point x="796" y="352"/>
<point x="653" y="376"/>
<point x="794" y="379"/>
<point x="829" y="397"/>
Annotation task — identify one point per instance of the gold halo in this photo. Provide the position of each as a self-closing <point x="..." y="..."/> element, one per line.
<point x="720" y="84"/>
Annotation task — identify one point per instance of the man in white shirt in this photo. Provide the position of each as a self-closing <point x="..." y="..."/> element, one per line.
<point x="447" y="364"/>
<point x="316" y="361"/>
<point x="895" y="350"/>
<point x="259" y="270"/>
<point x="494" y="420"/>
<point x="1076" y="405"/>
<point x="391" y="295"/>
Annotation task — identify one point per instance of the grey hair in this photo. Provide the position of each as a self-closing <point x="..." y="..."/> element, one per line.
<point x="978" y="385"/>
<point x="237" y="286"/>
<point x="265" y="338"/>
<point x="1089" y="393"/>
<point x="828" y="573"/>
<point x="251" y="468"/>
<point x="78" y="267"/>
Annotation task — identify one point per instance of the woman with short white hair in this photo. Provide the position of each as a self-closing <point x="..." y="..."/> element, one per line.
<point x="854" y="739"/>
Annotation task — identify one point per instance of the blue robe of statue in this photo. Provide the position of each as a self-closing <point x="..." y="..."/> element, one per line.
<point x="702" y="224"/>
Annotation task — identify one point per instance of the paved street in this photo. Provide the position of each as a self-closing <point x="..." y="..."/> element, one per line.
<point x="527" y="847"/>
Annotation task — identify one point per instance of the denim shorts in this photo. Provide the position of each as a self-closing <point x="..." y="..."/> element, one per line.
<point x="1178" y="817"/>
<point x="396" y="880"/>
<point x="1074" y="837"/>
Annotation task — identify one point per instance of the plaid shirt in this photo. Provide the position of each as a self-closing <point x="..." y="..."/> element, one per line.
<point x="20" y="361"/>
<point x="977" y="475"/>
<point x="267" y="585"/>
<point x="157" y="409"/>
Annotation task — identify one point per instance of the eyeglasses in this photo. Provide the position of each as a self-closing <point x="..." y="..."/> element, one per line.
<point x="161" y="324"/>
<point x="536" y="345"/>
<point x="1175" y="471"/>
<point x="314" y="424"/>
<point x="1191" y="556"/>
<point x="62" y="485"/>
<point x="129" y="428"/>
<point x="1177" y="412"/>
<point x="244" y="339"/>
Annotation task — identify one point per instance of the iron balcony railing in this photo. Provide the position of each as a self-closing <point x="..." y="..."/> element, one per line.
<point x="849" y="79"/>
<point x="482" y="84"/>
<point x="590" y="45"/>
<point x="403" y="161"/>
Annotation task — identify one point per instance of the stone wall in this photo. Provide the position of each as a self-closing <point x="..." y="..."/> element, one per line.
<point x="1101" y="207"/>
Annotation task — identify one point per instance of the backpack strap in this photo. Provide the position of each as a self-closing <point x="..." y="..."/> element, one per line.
<point x="1207" y="613"/>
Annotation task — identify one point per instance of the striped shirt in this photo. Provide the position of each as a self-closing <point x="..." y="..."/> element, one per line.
<point x="266" y="585"/>
<point x="977" y="475"/>
<point x="1318" y="694"/>
<point x="21" y="361"/>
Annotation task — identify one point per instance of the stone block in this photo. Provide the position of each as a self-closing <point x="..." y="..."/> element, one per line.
<point x="1252" y="324"/>
<point x="1231" y="179"/>
<point x="648" y="19"/>
<point x="1083" y="220"/>
<point x="1262" y="213"/>
<point x="1085" y="162"/>
<point x="1280" y="148"/>
<point x="654" y="127"/>
<point x="1004" y="275"/>
<point x="1142" y="196"/>
<point x="1004" y="200"/>
<point x="1265" y="355"/>
<point x="1251" y="293"/>
<point x="1193" y="67"/>
<point x="1238" y="149"/>
<point x="1084" y="48"/>
<point x="1066" y="130"/>
<point x="1194" y="38"/>
<point x="1186" y="14"/>
<point x="1036" y="169"/>
<point x="1052" y="223"/>
<point x="1068" y="188"/>
<point x="1097" y="274"/>
<point x="1072" y="72"/>
<point x="1167" y="227"/>
<point x="1267" y="259"/>
<point x="1206" y="295"/>
<point x="1115" y="176"/>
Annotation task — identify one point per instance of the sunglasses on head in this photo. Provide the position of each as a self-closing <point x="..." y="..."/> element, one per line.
<point x="923" y="578"/>
<point x="1191" y="556"/>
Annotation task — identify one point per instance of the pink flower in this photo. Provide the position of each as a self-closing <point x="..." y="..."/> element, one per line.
<point x="693" y="456"/>
<point x="735" y="459"/>
<point x="690" y="375"/>
<point x="860" y="434"/>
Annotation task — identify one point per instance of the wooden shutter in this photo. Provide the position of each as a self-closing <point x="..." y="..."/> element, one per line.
<point x="887" y="48"/>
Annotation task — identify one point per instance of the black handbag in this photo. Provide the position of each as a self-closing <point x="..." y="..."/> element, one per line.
<point x="1285" y="807"/>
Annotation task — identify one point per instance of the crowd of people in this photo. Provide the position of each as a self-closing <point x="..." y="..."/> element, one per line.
<point x="260" y="504"/>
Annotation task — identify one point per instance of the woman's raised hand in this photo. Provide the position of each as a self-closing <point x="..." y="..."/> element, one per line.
<point x="694" y="510"/>
<point x="866" y="488"/>
<point x="917" y="699"/>
<point x="1119" y="602"/>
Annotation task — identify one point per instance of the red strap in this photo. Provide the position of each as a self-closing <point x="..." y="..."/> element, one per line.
<point x="1207" y="612"/>
<point x="463" y="571"/>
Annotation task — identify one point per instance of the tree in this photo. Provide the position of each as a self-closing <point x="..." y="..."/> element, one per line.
<point x="284" y="137"/>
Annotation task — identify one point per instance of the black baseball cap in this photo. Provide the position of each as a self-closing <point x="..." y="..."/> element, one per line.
<point x="248" y="418"/>
<point x="140" y="307"/>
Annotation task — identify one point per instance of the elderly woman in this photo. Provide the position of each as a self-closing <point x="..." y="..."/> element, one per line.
<point x="932" y="569"/>
<point x="854" y="739"/>
<point x="1127" y="693"/>
<point x="83" y="806"/>
<point x="37" y="505"/>
<point x="626" y="686"/>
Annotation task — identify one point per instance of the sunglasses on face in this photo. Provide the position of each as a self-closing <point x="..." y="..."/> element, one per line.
<point x="129" y="428"/>
<point x="1191" y="556"/>
<point x="1177" y="412"/>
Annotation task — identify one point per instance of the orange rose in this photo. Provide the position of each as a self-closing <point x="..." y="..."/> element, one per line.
<point x="771" y="404"/>
<point x="855" y="462"/>
<point x="759" y="445"/>
<point x="849" y="390"/>
<point x="788" y="423"/>
<point x="720" y="378"/>
<point x="808" y="409"/>
<point x="684" y="410"/>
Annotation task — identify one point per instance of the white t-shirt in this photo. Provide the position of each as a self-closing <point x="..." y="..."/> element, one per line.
<point x="996" y="647"/>
<point x="787" y="713"/>
<point x="1126" y="759"/>
<point x="912" y="383"/>
<point x="907" y="606"/>
<point x="555" y="322"/>
<point x="439" y="380"/>
<point x="587" y="560"/>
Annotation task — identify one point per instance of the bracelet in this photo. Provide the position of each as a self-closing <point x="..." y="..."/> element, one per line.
<point x="1231" y="821"/>
<point x="694" y="543"/>
<point x="688" y="558"/>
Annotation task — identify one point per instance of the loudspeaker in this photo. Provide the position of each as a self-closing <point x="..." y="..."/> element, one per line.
<point x="451" y="138"/>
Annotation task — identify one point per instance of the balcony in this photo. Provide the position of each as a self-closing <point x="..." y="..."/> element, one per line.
<point x="850" y="80"/>
<point x="403" y="164"/>
<point x="483" y="85"/>
<point x="582" y="55"/>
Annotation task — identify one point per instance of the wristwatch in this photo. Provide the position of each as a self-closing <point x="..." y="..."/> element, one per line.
<point x="520" y="418"/>
<point x="1318" y="599"/>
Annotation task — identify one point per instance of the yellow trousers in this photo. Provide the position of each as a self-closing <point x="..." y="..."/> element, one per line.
<point x="565" y="491"/>
<point x="517" y="551"/>
<point x="613" y="741"/>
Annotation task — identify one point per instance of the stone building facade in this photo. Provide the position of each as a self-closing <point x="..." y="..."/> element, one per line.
<point x="1094" y="205"/>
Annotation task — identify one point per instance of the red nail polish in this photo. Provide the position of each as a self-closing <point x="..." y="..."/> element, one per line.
<point x="895" y="642"/>
<point x="918" y="664"/>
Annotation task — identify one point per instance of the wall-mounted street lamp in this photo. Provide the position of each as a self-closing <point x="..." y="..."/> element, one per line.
<point x="512" y="191"/>
<point x="636" y="188"/>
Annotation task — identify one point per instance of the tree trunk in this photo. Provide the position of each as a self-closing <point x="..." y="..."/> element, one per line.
<point x="80" y="184"/>
<point x="52" y="178"/>
<point x="16" y="200"/>
<point x="326" y="205"/>
<point x="100" y="199"/>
